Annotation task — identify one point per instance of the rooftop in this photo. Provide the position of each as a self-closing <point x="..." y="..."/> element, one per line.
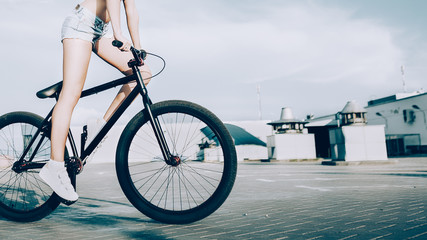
<point x="396" y="97"/>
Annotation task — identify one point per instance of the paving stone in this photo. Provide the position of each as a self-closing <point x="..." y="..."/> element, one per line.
<point x="269" y="201"/>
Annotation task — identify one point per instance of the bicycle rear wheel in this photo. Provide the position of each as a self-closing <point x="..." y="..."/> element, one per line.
<point x="190" y="190"/>
<point x="23" y="195"/>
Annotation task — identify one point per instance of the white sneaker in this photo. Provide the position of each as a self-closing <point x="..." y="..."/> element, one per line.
<point x="56" y="176"/>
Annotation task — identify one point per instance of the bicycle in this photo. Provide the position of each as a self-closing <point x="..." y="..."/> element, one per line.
<point x="175" y="160"/>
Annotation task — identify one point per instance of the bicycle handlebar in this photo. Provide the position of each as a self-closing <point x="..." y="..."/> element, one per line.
<point x="139" y="55"/>
<point x="142" y="54"/>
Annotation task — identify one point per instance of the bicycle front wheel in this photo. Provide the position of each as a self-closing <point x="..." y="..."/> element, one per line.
<point x="177" y="193"/>
<point x="23" y="195"/>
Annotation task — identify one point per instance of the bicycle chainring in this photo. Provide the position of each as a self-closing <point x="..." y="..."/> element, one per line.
<point x="74" y="164"/>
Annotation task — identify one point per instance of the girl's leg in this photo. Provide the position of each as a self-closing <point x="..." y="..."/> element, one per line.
<point x="76" y="61"/>
<point x="119" y="60"/>
<point x="75" y="64"/>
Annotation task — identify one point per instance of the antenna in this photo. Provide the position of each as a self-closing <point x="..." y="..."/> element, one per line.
<point x="402" y="69"/>
<point x="258" y="88"/>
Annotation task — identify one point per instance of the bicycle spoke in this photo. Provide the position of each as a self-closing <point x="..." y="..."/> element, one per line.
<point x="204" y="177"/>
<point x="22" y="191"/>
<point x="157" y="173"/>
<point x="167" y="181"/>
<point x="36" y="185"/>
<point x="11" y="145"/>
<point x="8" y="182"/>
<point x="185" y="186"/>
<point x="193" y="186"/>
<point x="187" y="191"/>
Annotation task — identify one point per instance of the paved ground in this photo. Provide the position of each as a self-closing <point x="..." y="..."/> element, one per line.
<point x="269" y="201"/>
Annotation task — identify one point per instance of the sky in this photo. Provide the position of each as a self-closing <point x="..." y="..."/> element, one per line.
<point x="244" y="60"/>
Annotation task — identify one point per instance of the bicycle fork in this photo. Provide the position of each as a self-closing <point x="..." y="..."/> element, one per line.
<point x="158" y="132"/>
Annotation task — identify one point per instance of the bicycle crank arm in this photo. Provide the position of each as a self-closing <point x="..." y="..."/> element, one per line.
<point x="20" y="167"/>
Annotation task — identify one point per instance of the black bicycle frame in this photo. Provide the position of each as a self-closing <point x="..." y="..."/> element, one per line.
<point x="116" y="115"/>
<point x="85" y="152"/>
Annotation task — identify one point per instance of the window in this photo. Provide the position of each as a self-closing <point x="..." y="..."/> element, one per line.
<point x="408" y="116"/>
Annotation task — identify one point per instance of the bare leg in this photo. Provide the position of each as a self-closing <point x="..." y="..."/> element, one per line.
<point x="119" y="60"/>
<point x="75" y="64"/>
<point x="125" y="90"/>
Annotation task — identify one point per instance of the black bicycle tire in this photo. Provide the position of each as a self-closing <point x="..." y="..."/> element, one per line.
<point x="224" y="187"/>
<point x="52" y="202"/>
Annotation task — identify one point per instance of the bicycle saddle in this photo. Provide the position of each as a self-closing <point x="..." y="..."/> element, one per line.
<point x="50" y="92"/>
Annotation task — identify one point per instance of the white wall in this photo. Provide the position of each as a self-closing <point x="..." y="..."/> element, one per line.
<point x="358" y="143"/>
<point x="259" y="129"/>
<point x="393" y="114"/>
<point x="291" y="146"/>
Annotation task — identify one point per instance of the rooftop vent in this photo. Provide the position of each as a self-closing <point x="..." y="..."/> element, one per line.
<point x="287" y="123"/>
<point x="353" y="113"/>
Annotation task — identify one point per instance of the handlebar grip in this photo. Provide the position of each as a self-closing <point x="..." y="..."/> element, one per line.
<point x="117" y="43"/>
<point x="138" y="56"/>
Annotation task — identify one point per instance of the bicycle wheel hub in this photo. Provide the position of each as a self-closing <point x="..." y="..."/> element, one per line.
<point x="174" y="161"/>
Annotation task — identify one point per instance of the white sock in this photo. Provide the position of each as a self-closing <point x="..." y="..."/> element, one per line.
<point x="56" y="164"/>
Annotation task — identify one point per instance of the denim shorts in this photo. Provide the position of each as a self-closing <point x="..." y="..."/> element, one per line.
<point x="83" y="24"/>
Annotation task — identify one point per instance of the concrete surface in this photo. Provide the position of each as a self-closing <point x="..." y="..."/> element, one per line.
<point x="270" y="201"/>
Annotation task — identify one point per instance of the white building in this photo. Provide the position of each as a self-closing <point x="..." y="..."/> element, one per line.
<point x="252" y="145"/>
<point x="404" y="117"/>
<point x="290" y="139"/>
<point x="249" y="138"/>
<point x="353" y="140"/>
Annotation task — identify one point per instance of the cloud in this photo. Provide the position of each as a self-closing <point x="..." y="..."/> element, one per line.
<point x="295" y="42"/>
<point x="302" y="52"/>
<point x="305" y="55"/>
